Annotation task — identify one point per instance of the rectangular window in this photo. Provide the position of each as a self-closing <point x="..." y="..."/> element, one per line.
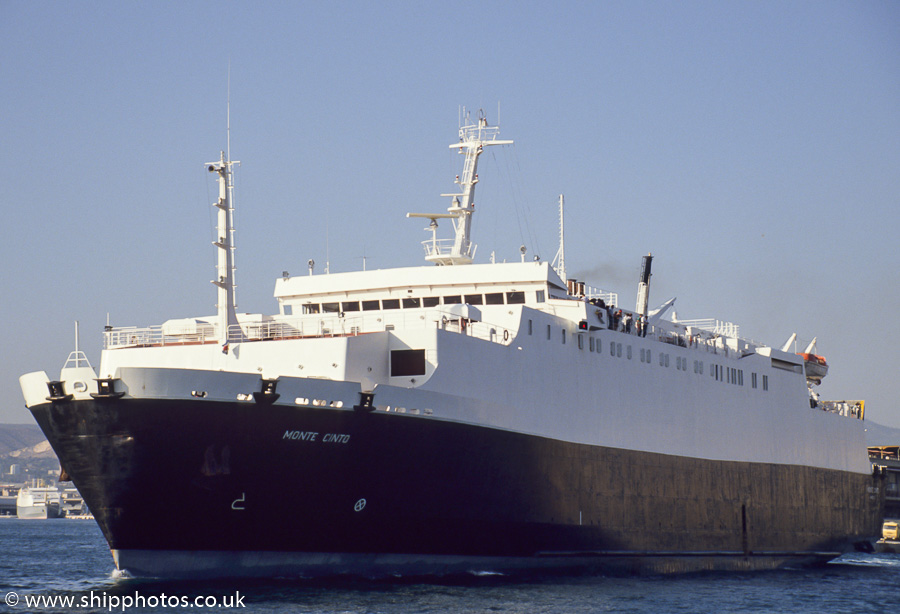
<point x="494" y="298"/>
<point x="330" y="307"/>
<point x="580" y="342"/>
<point x="515" y="298"/>
<point x="753" y="380"/>
<point x="548" y="332"/>
<point x="474" y="299"/>
<point x="431" y="301"/>
<point x="539" y="296"/>
<point x="765" y="382"/>
<point x="311" y="308"/>
<point x="370" y="305"/>
<point x="530" y="327"/>
<point x="411" y="303"/>
<point x="288" y="310"/>
<point x="407" y="362"/>
<point x="390" y="303"/>
<point x="591" y="345"/>
<point x="453" y="299"/>
<point x="564" y="336"/>
<point x="350" y="306"/>
<point x="612" y="349"/>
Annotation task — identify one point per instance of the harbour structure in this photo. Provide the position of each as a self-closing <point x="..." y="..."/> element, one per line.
<point x="451" y="417"/>
<point x="8" y="496"/>
<point x="888" y="457"/>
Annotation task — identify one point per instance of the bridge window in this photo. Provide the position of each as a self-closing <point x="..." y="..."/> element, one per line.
<point x="350" y="306"/>
<point x="370" y="305"/>
<point x="515" y="298"/>
<point x="431" y="301"/>
<point x="474" y="299"/>
<point x="392" y="303"/>
<point x="494" y="298"/>
<point x="330" y="307"/>
<point x="411" y="303"/>
<point x="453" y="299"/>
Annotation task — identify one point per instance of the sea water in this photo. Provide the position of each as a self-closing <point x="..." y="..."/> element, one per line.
<point x="64" y="566"/>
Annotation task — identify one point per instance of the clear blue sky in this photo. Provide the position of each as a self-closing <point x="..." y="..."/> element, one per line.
<point x="753" y="147"/>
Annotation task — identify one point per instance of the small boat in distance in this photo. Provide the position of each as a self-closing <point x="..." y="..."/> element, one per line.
<point x="38" y="503"/>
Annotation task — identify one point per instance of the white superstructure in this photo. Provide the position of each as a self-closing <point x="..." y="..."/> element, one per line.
<point x="423" y="339"/>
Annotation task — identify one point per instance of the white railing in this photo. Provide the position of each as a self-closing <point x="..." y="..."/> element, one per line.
<point x="726" y="329"/>
<point x="312" y="326"/>
<point x="444" y="247"/>
<point x="133" y="336"/>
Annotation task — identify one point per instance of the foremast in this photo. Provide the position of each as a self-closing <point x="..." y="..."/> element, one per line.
<point x="226" y="299"/>
<point x="473" y="138"/>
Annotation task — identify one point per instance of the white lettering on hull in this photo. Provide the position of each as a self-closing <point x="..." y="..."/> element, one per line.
<point x="314" y="436"/>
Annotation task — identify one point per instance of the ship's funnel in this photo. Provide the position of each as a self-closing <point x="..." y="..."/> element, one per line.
<point x="643" y="294"/>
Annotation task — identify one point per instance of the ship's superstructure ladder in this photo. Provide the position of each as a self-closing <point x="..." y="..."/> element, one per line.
<point x="473" y="138"/>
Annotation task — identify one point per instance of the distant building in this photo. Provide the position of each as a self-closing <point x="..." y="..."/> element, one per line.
<point x="889" y="457"/>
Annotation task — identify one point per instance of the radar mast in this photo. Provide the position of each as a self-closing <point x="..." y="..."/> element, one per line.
<point x="473" y="138"/>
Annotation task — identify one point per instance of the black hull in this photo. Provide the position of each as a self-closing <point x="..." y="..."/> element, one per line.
<point x="204" y="488"/>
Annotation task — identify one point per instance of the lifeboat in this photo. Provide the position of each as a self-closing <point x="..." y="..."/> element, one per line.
<point x="816" y="367"/>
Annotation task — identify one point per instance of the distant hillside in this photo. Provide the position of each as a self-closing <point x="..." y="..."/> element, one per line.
<point x="39" y="450"/>
<point x="17" y="436"/>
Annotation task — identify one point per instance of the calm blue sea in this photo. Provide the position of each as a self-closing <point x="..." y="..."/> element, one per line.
<point x="69" y="559"/>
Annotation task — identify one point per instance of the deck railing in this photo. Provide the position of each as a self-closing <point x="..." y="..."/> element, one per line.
<point x="308" y="326"/>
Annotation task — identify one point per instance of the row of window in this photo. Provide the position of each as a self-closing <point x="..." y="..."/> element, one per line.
<point x="720" y="373"/>
<point x="492" y="298"/>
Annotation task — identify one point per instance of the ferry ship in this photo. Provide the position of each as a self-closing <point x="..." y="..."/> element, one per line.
<point x="38" y="503"/>
<point x="451" y="417"/>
